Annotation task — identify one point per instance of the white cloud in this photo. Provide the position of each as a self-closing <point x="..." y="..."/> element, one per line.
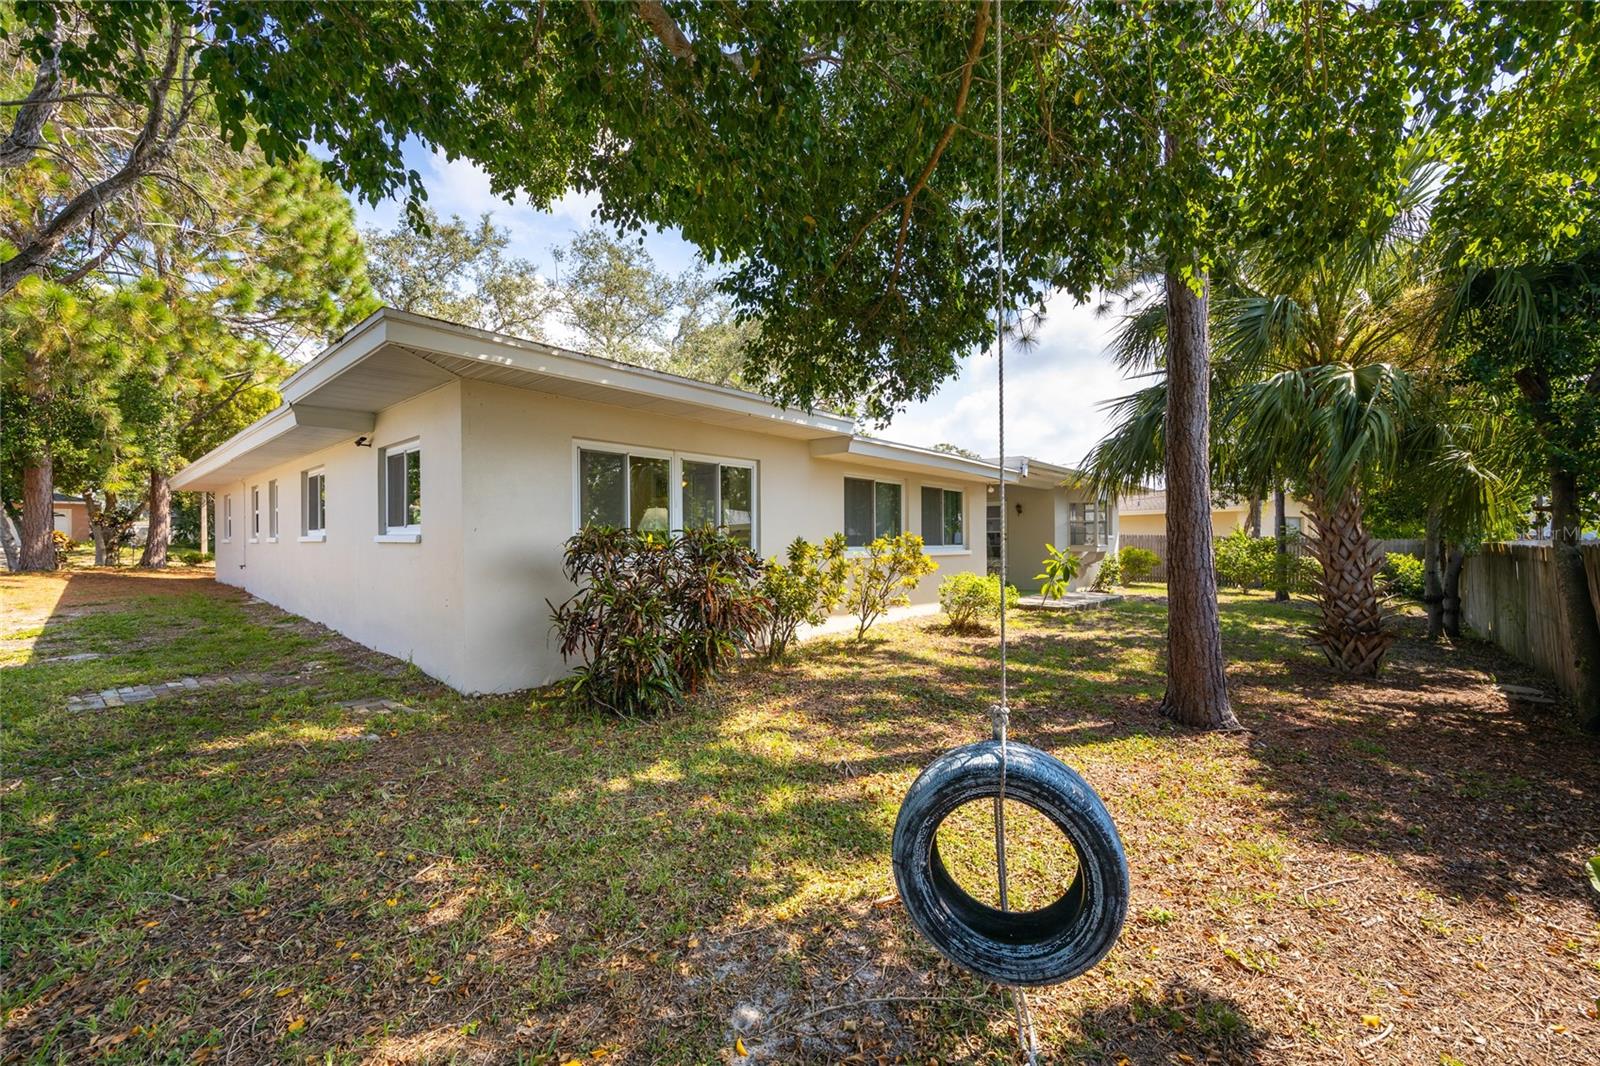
<point x="1053" y="393"/>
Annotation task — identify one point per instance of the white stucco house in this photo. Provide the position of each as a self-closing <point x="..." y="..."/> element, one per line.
<point x="416" y="486"/>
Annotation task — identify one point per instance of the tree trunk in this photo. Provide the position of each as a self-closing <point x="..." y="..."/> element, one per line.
<point x="1352" y="633"/>
<point x="1280" y="530"/>
<point x="1572" y="586"/>
<point x="1432" y="572"/>
<point x="1450" y="608"/>
<point x="1253" y="516"/>
<point x="8" y="538"/>
<point x="38" y="514"/>
<point x="1197" y="685"/>
<point x="160" y="536"/>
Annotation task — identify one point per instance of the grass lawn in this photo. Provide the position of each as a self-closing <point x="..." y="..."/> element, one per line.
<point x="1385" y="871"/>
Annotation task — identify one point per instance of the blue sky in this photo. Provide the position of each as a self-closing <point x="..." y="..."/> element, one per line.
<point x="1053" y="391"/>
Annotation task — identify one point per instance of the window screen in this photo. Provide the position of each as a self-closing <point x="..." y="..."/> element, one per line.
<point x="701" y="492"/>
<point x="402" y="488"/>
<point x="858" y="512"/>
<point x="272" y="509"/>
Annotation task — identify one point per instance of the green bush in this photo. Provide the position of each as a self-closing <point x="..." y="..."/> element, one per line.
<point x="968" y="599"/>
<point x="193" y="558"/>
<point x="655" y="616"/>
<point x="1403" y="575"/>
<point x="64" y="546"/>
<point x="1137" y="563"/>
<point x="1245" y="562"/>
<point x="804" y="589"/>
<point x="1109" y="576"/>
<point x="882" y="577"/>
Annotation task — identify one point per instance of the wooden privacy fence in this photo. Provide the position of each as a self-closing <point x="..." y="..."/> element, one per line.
<point x="1157" y="542"/>
<point x="1508" y="595"/>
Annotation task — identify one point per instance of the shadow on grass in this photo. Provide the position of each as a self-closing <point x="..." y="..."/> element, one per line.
<point x="1181" y="1022"/>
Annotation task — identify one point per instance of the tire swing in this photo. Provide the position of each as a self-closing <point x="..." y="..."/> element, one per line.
<point x="1017" y="949"/>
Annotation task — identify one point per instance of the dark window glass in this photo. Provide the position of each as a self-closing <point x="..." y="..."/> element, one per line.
<point x="649" y="494"/>
<point x="603" y="493"/>
<point x="700" y="487"/>
<point x="738" y="506"/>
<point x="394" y="494"/>
<point x="888" y="512"/>
<point x="933" y="517"/>
<point x="857" y="512"/>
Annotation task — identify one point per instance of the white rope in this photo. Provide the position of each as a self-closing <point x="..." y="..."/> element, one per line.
<point x="1027" y="1038"/>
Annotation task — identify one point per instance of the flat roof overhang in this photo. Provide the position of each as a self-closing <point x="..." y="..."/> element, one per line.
<point x="883" y="454"/>
<point x="393" y="356"/>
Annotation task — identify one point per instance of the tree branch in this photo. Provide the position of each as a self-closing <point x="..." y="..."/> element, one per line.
<point x="147" y="150"/>
<point x="27" y="132"/>
<point x="666" y="29"/>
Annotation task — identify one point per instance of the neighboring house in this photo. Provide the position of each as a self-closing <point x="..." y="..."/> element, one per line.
<point x="416" y="487"/>
<point x="71" y="516"/>
<point x="1146" y="513"/>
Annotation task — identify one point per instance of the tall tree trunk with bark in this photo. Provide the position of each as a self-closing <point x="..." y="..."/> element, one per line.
<point x="1450" y="607"/>
<point x="1253" y="516"/>
<point x="160" y="535"/>
<point x="1197" y="684"/>
<point x="1352" y="633"/>
<point x="1433" y="572"/>
<point x="38" y="514"/>
<point x="1572" y="586"/>
<point x="1280" y="530"/>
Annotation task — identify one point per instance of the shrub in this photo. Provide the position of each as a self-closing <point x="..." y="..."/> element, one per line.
<point x="64" y="546"/>
<point x="882" y="577"/>
<point x="654" y="616"/>
<point x="1403" y="575"/>
<point x="1109" y="576"/>
<point x="193" y="558"/>
<point x="1245" y="562"/>
<point x="1137" y="563"/>
<point x="1060" y="567"/>
<point x="970" y="598"/>
<point x="805" y="589"/>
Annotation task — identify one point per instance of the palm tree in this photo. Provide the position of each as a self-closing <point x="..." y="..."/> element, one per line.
<point x="1313" y="375"/>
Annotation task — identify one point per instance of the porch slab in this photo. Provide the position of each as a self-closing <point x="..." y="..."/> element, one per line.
<point x="1072" y="601"/>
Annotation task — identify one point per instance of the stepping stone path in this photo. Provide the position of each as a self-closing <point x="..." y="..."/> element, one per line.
<point x="131" y="694"/>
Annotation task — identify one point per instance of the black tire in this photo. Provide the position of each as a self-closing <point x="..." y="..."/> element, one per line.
<point x="1017" y="948"/>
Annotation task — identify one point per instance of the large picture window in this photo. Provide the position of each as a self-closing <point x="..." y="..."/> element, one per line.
<point x="943" y="518"/>
<point x="402" y="488"/>
<point x="314" y="491"/>
<point x="654" y="492"/>
<point x="872" y="509"/>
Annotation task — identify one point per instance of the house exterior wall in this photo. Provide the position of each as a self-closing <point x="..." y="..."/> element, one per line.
<point x="404" y="599"/>
<point x="71" y="518"/>
<point x="519" y="471"/>
<point x="1224" y="520"/>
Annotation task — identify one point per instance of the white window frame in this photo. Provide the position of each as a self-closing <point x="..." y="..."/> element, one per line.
<point x="308" y="535"/>
<point x="965" y="547"/>
<point x="387" y="534"/>
<point x="255" y="514"/>
<point x="1098" y="536"/>
<point x="675" y="460"/>
<point x="861" y="549"/>
<point x="227" y="518"/>
<point x="272" y="511"/>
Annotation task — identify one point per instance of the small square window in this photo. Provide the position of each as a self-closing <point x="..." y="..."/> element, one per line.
<point x="872" y="509"/>
<point x="943" y="518"/>
<point x="402" y="488"/>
